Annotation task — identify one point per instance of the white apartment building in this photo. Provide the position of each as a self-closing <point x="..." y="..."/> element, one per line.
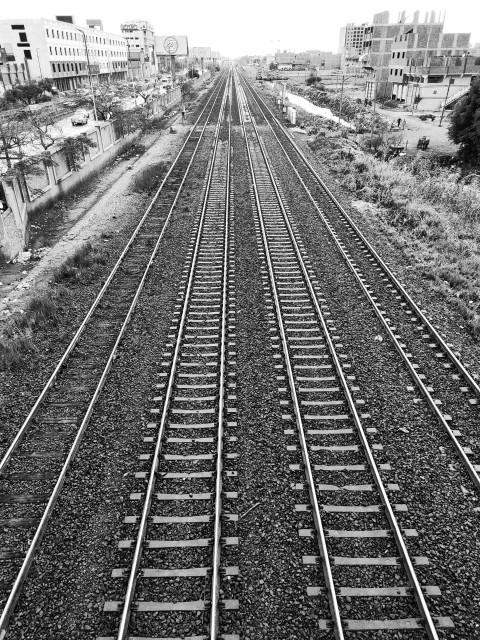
<point x="40" y="48"/>
<point x="350" y="45"/>
<point x="140" y="38"/>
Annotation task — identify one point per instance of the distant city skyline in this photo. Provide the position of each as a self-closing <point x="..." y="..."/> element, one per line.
<point x="256" y="28"/>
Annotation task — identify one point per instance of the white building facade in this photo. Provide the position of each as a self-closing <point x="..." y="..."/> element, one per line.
<point x="41" y="48"/>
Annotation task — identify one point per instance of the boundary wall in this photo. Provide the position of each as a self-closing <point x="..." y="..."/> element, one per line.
<point x="21" y="197"/>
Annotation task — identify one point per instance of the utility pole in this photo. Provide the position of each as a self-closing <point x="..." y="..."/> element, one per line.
<point x="131" y="74"/>
<point x="373" y="115"/>
<point x="450" y="82"/>
<point x="341" y="101"/>
<point x="89" y="72"/>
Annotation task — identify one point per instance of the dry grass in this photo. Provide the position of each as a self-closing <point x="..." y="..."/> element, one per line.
<point x="148" y="180"/>
<point x="435" y="208"/>
<point x="81" y="267"/>
<point x="19" y="337"/>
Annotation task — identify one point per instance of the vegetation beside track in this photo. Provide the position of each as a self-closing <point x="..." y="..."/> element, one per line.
<point x="149" y="179"/>
<point x="433" y="207"/>
<point x="18" y="339"/>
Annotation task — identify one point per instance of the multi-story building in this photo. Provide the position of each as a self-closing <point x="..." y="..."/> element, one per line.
<point x="377" y="46"/>
<point x="140" y="37"/>
<point x="427" y="69"/>
<point x="350" y="45"/>
<point x="57" y="49"/>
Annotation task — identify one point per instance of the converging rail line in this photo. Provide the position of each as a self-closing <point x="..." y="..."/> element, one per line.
<point x="337" y="459"/>
<point x="175" y="541"/>
<point x="36" y="463"/>
<point x="449" y="389"/>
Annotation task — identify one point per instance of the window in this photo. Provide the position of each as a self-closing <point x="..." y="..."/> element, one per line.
<point x="64" y="66"/>
<point x="23" y="36"/>
<point x="53" y="65"/>
<point x="50" y="50"/>
<point x="28" y="54"/>
<point x="48" y="34"/>
<point x="18" y="27"/>
<point x="55" y="50"/>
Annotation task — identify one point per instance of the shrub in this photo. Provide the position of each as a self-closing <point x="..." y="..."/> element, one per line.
<point x="84" y="262"/>
<point x="149" y="179"/>
<point x="17" y="340"/>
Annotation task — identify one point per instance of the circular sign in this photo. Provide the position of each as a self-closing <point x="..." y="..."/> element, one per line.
<point x="171" y="45"/>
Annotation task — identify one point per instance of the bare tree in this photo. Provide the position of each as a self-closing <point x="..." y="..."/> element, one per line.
<point x="13" y="137"/>
<point x="42" y="126"/>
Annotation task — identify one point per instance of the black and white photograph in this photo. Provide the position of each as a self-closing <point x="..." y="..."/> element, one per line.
<point x="239" y="321"/>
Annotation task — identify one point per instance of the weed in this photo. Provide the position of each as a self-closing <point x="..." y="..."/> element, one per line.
<point x="14" y="350"/>
<point x="84" y="263"/>
<point x="426" y="201"/>
<point x="148" y="180"/>
<point x="18" y="338"/>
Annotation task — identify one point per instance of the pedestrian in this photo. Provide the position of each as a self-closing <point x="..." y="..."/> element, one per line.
<point x="398" y="122"/>
<point x="404" y="124"/>
<point x="183" y="113"/>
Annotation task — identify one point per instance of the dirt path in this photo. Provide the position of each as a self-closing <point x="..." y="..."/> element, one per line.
<point x="108" y="206"/>
<point x="416" y="128"/>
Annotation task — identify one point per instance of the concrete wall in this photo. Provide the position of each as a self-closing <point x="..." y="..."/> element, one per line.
<point x="55" y="181"/>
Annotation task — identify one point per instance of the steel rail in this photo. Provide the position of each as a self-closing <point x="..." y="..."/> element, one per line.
<point x="40" y="531"/>
<point x="475" y="386"/>
<point x="33" y="411"/>
<point x="217" y="532"/>
<point x="142" y="530"/>
<point x="322" y="543"/>
<point x="407" y="563"/>
<point x="472" y="472"/>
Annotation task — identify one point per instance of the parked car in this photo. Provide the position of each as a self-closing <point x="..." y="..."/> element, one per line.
<point x="80" y="116"/>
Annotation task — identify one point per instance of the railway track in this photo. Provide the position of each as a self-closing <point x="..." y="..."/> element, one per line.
<point x="359" y="540"/>
<point x="450" y="391"/>
<point x="176" y="537"/>
<point x="35" y="465"/>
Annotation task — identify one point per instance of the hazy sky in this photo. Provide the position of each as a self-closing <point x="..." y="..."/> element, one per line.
<point x="248" y="26"/>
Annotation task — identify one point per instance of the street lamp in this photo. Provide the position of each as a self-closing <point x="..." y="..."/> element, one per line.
<point x="89" y="72"/>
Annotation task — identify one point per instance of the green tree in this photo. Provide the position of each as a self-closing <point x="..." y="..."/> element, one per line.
<point x="29" y="93"/>
<point x="464" y="126"/>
